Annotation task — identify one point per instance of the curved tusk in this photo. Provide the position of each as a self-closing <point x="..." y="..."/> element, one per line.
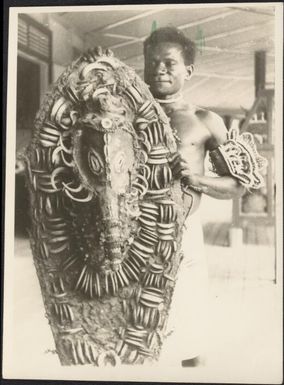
<point x="87" y="199"/>
<point x="55" y="153"/>
<point x="60" y="113"/>
<point x="68" y="164"/>
<point x="51" y="131"/>
<point x="73" y="189"/>
<point x="143" y="179"/>
<point x="56" y="107"/>
<point x="54" y="174"/>
<point x="140" y="187"/>
<point x="144" y="139"/>
<point x="147" y="170"/>
<point x="145" y="155"/>
<point x="64" y="148"/>
<point x="73" y="116"/>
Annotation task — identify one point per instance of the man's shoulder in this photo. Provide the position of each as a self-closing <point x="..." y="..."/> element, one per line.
<point x="215" y="125"/>
<point x="209" y="118"/>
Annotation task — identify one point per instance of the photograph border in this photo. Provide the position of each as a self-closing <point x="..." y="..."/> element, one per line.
<point x="8" y="160"/>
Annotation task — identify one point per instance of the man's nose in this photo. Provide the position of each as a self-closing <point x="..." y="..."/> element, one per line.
<point x="160" y="69"/>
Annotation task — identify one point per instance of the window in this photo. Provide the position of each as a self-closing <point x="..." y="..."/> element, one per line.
<point x="34" y="39"/>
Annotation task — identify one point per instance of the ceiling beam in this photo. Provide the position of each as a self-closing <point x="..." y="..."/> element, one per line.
<point x="222" y="76"/>
<point x="235" y="112"/>
<point x="54" y="17"/>
<point x="228" y="50"/>
<point x="203" y="20"/>
<point x="207" y="19"/>
<point x="269" y="45"/>
<point x="125" y="21"/>
<point x="210" y="38"/>
<point x="242" y="95"/>
<point x="236" y="31"/>
<point x="129" y="19"/>
<point x="119" y="45"/>
<point x="252" y="10"/>
<point x="232" y="62"/>
<point x="196" y="84"/>
<point x="212" y="75"/>
<point x="235" y="99"/>
<point x="117" y="36"/>
<point x="228" y="84"/>
<point x="213" y="50"/>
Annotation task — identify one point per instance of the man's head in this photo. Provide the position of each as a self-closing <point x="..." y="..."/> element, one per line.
<point x="169" y="57"/>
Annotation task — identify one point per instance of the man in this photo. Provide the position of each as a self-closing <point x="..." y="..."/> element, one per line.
<point x="169" y="59"/>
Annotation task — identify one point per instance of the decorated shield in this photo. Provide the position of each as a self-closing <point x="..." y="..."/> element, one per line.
<point x="107" y="215"/>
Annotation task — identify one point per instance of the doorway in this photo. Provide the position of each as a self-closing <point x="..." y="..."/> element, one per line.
<point x="28" y="101"/>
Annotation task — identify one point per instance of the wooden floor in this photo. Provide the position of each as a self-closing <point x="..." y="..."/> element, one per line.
<point x="218" y="234"/>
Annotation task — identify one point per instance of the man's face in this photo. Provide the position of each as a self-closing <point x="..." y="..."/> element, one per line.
<point x="165" y="69"/>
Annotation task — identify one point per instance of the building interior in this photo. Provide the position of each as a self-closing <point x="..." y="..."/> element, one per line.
<point x="234" y="77"/>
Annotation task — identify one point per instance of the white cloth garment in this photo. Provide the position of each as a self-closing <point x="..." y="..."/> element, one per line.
<point x="186" y="327"/>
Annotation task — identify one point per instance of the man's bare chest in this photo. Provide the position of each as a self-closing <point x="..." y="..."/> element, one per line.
<point x="189" y="128"/>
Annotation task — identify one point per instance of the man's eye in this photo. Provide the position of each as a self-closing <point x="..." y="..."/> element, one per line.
<point x="170" y="63"/>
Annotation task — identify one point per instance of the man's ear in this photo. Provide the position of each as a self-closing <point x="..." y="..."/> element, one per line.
<point x="189" y="70"/>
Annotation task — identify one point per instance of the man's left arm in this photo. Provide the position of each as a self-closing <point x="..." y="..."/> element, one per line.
<point x="221" y="187"/>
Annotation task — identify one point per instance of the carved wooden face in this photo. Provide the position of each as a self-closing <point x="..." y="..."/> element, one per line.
<point x="106" y="160"/>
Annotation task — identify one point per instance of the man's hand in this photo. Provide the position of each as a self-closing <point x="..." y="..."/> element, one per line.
<point x="225" y="187"/>
<point x="181" y="170"/>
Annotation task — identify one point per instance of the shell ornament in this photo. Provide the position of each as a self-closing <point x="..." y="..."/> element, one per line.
<point x="107" y="215"/>
<point x="239" y="157"/>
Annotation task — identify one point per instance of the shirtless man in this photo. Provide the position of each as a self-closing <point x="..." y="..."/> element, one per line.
<point x="169" y="58"/>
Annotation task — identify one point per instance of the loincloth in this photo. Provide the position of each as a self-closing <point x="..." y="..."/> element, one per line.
<point x="186" y="327"/>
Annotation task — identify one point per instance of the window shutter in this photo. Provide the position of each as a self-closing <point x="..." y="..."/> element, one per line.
<point x="34" y="38"/>
<point x="38" y="41"/>
<point x="23" y="32"/>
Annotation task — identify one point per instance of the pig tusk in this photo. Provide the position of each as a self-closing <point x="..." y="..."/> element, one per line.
<point x="54" y="174"/>
<point x="73" y="189"/>
<point x="64" y="148"/>
<point x="86" y="199"/>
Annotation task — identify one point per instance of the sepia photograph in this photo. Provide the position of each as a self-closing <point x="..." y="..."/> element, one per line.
<point x="144" y="193"/>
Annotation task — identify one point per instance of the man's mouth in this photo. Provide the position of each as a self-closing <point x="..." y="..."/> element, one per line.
<point x="161" y="81"/>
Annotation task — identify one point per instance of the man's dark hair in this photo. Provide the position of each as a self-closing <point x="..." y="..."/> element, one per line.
<point x="172" y="35"/>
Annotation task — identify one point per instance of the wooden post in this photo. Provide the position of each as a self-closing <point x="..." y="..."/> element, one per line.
<point x="259" y="71"/>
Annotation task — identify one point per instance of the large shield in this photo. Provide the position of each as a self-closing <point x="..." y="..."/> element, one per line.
<point x="107" y="215"/>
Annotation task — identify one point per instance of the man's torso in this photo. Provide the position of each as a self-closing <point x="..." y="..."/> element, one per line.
<point x="188" y="123"/>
